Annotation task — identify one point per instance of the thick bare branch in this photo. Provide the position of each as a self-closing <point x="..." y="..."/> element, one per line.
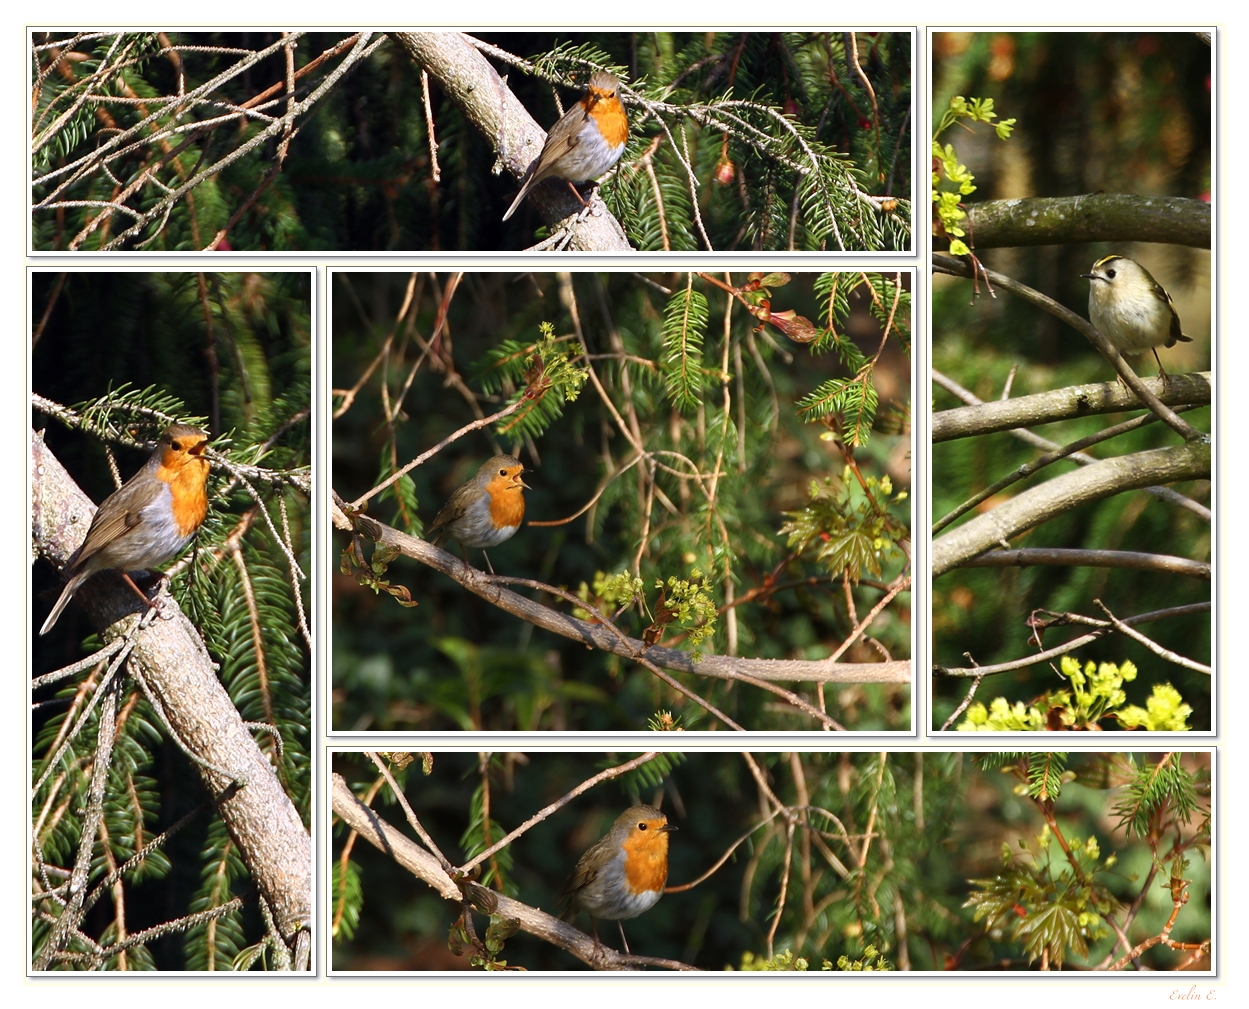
<point x="598" y="636"/>
<point x="171" y="658"/>
<point x="1067" y="403"/>
<point x="1063" y="493"/>
<point x="411" y="856"/>
<point x="1099" y="217"/>
<point x="472" y="84"/>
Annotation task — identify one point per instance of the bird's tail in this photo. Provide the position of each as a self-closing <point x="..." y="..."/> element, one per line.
<point x="524" y="191"/>
<point x="67" y="594"/>
<point x="526" y="184"/>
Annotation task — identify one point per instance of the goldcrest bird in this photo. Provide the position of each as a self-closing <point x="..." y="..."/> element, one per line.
<point x="1131" y="309"/>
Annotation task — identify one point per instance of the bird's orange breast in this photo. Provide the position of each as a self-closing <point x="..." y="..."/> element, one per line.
<point x="609" y="115"/>
<point x="507" y="502"/>
<point x="187" y="476"/>
<point x="646" y="860"/>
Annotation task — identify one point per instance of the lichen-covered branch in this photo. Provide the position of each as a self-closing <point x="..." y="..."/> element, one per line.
<point x="1098" y="217"/>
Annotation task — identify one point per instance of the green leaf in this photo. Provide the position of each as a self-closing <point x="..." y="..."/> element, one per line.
<point x="685" y="318"/>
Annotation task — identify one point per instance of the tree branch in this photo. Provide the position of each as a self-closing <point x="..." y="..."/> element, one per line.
<point x="474" y="87"/>
<point x="597" y="636"/>
<point x="1059" y="557"/>
<point x="1099" y="217"/>
<point x="411" y="856"/>
<point x="1069" y="403"/>
<point x="171" y="658"/>
<point x="1064" y="493"/>
<point x="1104" y="627"/>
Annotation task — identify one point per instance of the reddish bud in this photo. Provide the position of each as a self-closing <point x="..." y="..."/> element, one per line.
<point x="794" y="326"/>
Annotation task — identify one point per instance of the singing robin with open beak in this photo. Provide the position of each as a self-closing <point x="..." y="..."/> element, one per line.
<point x="585" y="143"/>
<point x="146" y="521"/>
<point x="623" y="873"/>
<point x="487" y="510"/>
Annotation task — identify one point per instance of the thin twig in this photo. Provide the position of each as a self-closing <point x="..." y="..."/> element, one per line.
<point x="1104" y="628"/>
<point x="466" y="429"/>
<point x="1153" y="646"/>
<point x="563" y="800"/>
<point x="413" y="821"/>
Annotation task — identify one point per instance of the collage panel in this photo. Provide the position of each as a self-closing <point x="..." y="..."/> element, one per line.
<point x="613" y="502"/>
<point x="564" y="511"/>
<point x="437" y="141"/>
<point x="905" y="860"/>
<point x="171" y="739"/>
<point x="1073" y="538"/>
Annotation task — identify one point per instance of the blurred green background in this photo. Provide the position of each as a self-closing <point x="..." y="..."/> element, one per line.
<point x="1123" y="112"/>
<point x="455" y="661"/>
<point x="938" y="821"/>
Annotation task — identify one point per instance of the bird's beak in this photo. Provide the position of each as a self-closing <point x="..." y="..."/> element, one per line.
<point x="666" y="827"/>
<point x="521" y="481"/>
<point x="1091" y="276"/>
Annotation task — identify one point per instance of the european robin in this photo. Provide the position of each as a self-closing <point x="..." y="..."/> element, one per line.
<point x="1131" y="309"/>
<point x="623" y="873"/>
<point x="588" y="139"/>
<point x="148" y="519"/>
<point x="485" y="511"/>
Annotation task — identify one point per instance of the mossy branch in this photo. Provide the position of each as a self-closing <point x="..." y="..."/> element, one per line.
<point x="1094" y="217"/>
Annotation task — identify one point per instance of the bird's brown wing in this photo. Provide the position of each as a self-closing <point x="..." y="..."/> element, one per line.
<point x="564" y="136"/>
<point x="113" y="519"/>
<point x="582" y="876"/>
<point x="437" y="533"/>
<point x="1177" y="332"/>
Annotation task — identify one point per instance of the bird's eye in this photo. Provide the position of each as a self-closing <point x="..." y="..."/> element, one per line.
<point x="642" y="825"/>
<point x="502" y="472"/>
<point x="1110" y="274"/>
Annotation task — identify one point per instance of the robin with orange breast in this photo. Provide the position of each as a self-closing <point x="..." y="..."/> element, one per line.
<point x="487" y="510"/>
<point x="585" y="143"/>
<point x="623" y="873"/>
<point x="147" y="520"/>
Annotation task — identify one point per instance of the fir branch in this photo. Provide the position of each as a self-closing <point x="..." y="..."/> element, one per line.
<point x="685" y="319"/>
